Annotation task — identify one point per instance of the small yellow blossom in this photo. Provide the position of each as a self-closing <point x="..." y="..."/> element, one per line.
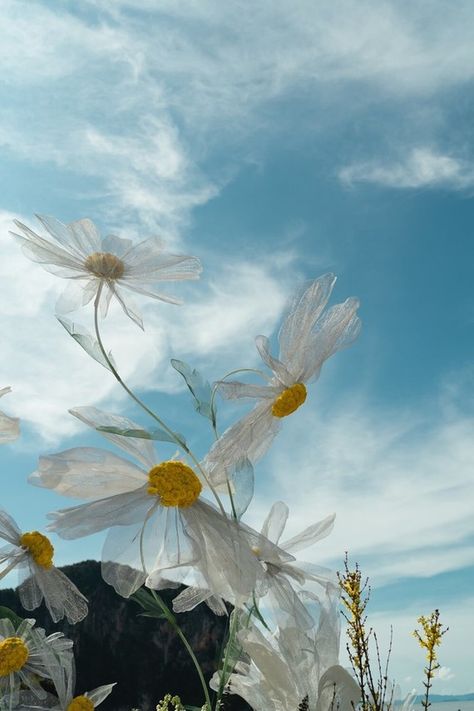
<point x="175" y="483"/>
<point x="13" y="655"/>
<point x="40" y="548"/>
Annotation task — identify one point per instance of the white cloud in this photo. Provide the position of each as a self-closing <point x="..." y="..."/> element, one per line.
<point x="137" y="100"/>
<point x="50" y="373"/>
<point x="400" y="483"/>
<point x="422" y="168"/>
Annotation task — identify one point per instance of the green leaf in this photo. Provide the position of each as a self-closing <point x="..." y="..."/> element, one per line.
<point x="155" y="434"/>
<point x="198" y="387"/>
<point x="87" y="342"/>
<point x="6" y="613"/>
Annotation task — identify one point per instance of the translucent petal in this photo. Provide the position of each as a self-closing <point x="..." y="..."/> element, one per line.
<point x="337" y="682"/>
<point x="191" y="597"/>
<point x="9" y="426"/>
<point x="141" y="449"/>
<point x="54" y="258"/>
<point x="278" y="368"/>
<point x="78" y="293"/>
<point x="303" y="313"/>
<point x="233" y="390"/>
<point x="226" y="561"/>
<point x="9" y="530"/>
<point x="147" y="261"/>
<point x="84" y="236"/>
<point x="336" y="329"/>
<point x="275" y="523"/>
<point x="250" y="437"/>
<point x="148" y="290"/>
<point x="116" y="245"/>
<point x="100" y="694"/>
<point x="119" y="510"/>
<point x="87" y="472"/>
<point x="129" y="552"/>
<point x="310" y="535"/>
<point x="61" y="596"/>
<point x="127" y="305"/>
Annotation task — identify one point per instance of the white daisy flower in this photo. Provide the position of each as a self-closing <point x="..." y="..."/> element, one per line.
<point x="157" y="519"/>
<point x="281" y="572"/>
<point x="64" y="679"/>
<point x="9" y="426"/>
<point x="308" y="336"/>
<point x="26" y="657"/>
<point x="293" y="668"/>
<point x="104" y="266"/>
<point x="32" y="554"/>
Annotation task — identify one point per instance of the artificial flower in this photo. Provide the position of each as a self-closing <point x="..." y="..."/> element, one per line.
<point x="27" y="655"/>
<point x="158" y="521"/>
<point x="281" y="572"/>
<point x="293" y="667"/>
<point x="9" y="426"/>
<point x="309" y="335"/>
<point x="104" y="266"/>
<point x="32" y="554"/>
<point x="64" y="680"/>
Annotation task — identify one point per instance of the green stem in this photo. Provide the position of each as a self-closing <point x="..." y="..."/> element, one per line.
<point x="223" y="679"/>
<point x="171" y="619"/>
<point x="144" y="407"/>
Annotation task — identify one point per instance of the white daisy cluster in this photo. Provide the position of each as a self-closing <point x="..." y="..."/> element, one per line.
<point x="167" y="518"/>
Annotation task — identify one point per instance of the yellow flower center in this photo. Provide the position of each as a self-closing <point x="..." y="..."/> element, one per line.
<point x="289" y="400"/>
<point x="80" y="703"/>
<point x="13" y="655"/>
<point x="40" y="548"/>
<point x="175" y="483"/>
<point x="105" y="265"/>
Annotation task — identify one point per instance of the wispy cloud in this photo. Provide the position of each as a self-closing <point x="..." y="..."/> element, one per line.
<point x="399" y="483"/>
<point x="50" y="373"/>
<point x="421" y="168"/>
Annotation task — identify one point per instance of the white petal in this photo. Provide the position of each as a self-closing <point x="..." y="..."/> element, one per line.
<point x="98" y="695"/>
<point x="337" y="680"/>
<point x="61" y="596"/>
<point x="275" y="522"/>
<point x="87" y="472"/>
<point x="310" y="535"/>
<point x="303" y="313"/>
<point x="280" y="370"/>
<point x="233" y="390"/>
<point x="141" y="449"/>
<point x="9" y="530"/>
<point x="119" y="510"/>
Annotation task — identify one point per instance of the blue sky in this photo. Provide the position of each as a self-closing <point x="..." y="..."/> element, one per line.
<point x="276" y="142"/>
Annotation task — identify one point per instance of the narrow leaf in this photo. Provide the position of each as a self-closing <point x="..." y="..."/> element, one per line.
<point x="6" y="613"/>
<point x="155" y="434"/>
<point x="242" y="480"/>
<point x="198" y="387"/>
<point x="86" y="341"/>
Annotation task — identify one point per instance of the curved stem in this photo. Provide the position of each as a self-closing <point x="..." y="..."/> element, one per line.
<point x="170" y="617"/>
<point x="144" y="407"/>
<point x="227" y="375"/>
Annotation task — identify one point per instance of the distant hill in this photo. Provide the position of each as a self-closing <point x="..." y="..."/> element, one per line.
<point x="143" y="655"/>
<point x="438" y="698"/>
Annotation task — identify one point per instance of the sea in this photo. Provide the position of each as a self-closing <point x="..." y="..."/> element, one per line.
<point x="450" y="706"/>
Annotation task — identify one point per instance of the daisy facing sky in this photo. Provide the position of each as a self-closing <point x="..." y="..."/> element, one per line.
<point x="277" y="145"/>
<point x="103" y="267"/>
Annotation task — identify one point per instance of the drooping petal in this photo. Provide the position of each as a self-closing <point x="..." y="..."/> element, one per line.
<point x="61" y="596"/>
<point x="100" y="694"/>
<point x="9" y="530"/>
<point x="191" y="597"/>
<point x="86" y="473"/>
<point x="337" y="683"/>
<point x="129" y="552"/>
<point x="127" y="305"/>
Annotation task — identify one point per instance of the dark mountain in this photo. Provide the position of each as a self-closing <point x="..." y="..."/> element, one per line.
<point x="144" y="655"/>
